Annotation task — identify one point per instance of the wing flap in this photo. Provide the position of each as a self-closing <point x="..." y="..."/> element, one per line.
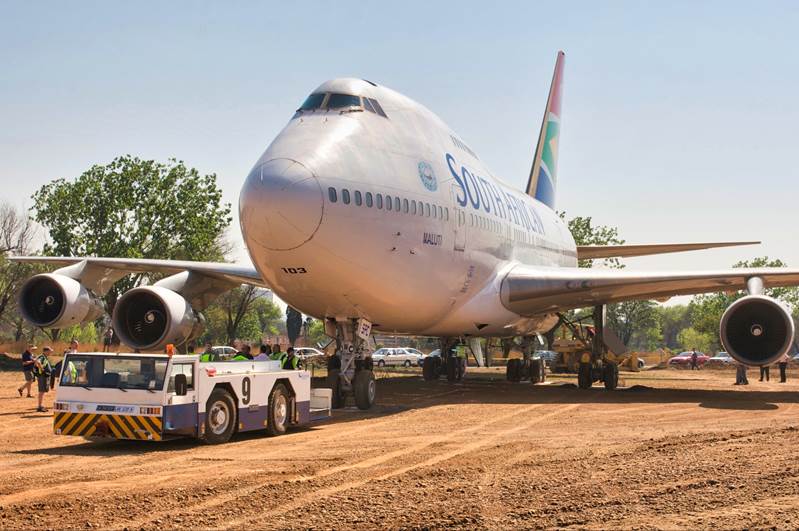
<point x="531" y="291"/>
<point x="593" y="252"/>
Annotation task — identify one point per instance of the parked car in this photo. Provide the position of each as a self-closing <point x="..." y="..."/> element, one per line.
<point x="224" y="352"/>
<point x="549" y="356"/>
<point x="397" y="357"/>
<point x="306" y="353"/>
<point x="683" y="359"/>
<point x="722" y="359"/>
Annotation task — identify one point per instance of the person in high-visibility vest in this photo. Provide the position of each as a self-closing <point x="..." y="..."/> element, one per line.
<point x="291" y="361"/>
<point x="42" y="369"/>
<point x="460" y="353"/>
<point x="276" y="354"/>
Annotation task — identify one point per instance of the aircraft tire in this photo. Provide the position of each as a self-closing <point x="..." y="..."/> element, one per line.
<point x="334" y="383"/>
<point x="513" y="370"/>
<point x="430" y="369"/>
<point x="365" y="388"/>
<point x="610" y="376"/>
<point x="452" y="369"/>
<point x="536" y="374"/>
<point x="584" y="380"/>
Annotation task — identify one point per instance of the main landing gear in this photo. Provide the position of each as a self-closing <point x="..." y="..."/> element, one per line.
<point x="527" y="368"/>
<point x="448" y="363"/>
<point x="597" y="366"/>
<point x="350" y="369"/>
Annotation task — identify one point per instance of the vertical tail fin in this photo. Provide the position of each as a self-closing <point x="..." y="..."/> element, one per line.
<point x="543" y="175"/>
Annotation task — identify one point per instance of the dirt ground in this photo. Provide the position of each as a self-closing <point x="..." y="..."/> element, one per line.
<point x="675" y="449"/>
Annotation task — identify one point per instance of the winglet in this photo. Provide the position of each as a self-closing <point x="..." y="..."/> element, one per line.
<point x="543" y="175"/>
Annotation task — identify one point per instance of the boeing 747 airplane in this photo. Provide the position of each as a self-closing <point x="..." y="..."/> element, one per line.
<point x="369" y="212"/>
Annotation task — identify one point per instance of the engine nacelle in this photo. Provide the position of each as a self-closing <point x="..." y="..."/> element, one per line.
<point x="151" y="317"/>
<point x="756" y="330"/>
<point x="56" y="301"/>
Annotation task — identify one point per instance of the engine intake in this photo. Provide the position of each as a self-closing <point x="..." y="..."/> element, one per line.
<point x="756" y="330"/>
<point x="151" y="317"/>
<point x="57" y="301"/>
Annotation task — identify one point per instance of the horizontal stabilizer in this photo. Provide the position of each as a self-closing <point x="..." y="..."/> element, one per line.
<point x="593" y="252"/>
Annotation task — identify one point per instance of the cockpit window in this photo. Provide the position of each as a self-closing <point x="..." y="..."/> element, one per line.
<point x="314" y="101"/>
<point x="377" y="107"/>
<point x="341" y="101"/>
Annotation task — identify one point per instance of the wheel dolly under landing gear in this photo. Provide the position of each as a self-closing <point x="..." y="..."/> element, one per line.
<point x="349" y="370"/>
<point x="597" y="365"/>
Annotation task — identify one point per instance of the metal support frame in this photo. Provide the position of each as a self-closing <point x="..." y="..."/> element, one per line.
<point x="350" y="348"/>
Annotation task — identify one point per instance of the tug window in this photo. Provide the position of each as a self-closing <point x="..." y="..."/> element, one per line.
<point x="379" y="198"/>
<point x="314" y="101"/>
<point x="331" y="193"/>
<point x="342" y="101"/>
<point x="369" y="199"/>
<point x="345" y="196"/>
<point x="358" y="199"/>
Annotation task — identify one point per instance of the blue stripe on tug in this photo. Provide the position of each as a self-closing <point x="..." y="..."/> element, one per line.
<point x="181" y="419"/>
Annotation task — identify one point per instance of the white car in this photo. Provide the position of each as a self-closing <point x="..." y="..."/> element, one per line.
<point x="397" y="357"/>
<point x="308" y="352"/>
<point x="224" y="352"/>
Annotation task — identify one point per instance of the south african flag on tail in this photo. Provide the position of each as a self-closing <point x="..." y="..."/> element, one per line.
<point x="543" y="175"/>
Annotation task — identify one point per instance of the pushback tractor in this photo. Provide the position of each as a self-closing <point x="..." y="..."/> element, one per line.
<point x="155" y="397"/>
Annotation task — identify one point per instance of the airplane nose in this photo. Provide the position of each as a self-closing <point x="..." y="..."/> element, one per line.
<point x="280" y="205"/>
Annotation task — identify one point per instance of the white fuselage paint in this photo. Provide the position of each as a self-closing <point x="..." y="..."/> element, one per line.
<point x="406" y="273"/>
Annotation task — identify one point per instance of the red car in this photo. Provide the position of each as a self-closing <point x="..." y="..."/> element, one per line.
<point x="683" y="359"/>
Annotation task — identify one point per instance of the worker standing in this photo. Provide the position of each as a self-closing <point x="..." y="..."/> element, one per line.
<point x="28" y="364"/>
<point x="291" y="361"/>
<point x="42" y="371"/>
<point x="740" y="375"/>
<point x="783" y="363"/>
<point x="277" y="355"/>
<point x="460" y="354"/>
<point x="694" y="360"/>
<point x="264" y="354"/>
<point x="764" y="372"/>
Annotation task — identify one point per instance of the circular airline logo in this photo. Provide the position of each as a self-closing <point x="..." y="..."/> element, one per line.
<point x="427" y="176"/>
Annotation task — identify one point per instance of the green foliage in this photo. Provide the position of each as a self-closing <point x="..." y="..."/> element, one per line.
<point x="672" y="320"/>
<point x="242" y="313"/>
<point x="691" y="338"/>
<point x="86" y="334"/>
<point x="636" y="323"/>
<point x="316" y="332"/>
<point x="133" y="208"/>
<point x="585" y="232"/>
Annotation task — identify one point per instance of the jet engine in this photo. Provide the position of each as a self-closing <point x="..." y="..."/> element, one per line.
<point x="151" y="317"/>
<point x="57" y="301"/>
<point x="756" y="330"/>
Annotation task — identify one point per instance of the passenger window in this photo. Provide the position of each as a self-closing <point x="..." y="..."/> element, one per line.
<point x="331" y="193"/>
<point x="379" y="198"/>
<point x="413" y="207"/>
<point x="388" y="202"/>
<point x="405" y="205"/>
<point x="440" y="213"/>
<point x="377" y="107"/>
<point x="396" y="204"/>
<point x="427" y="209"/>
<point x="342" y="101"/>
<point x="369" y="199"/>
<point x="358" y="200"/>
<point x="314" y="101"/>
<point x="435" y="213"/>
<point x="345" y="196"/>
<point x="446" y="213"/>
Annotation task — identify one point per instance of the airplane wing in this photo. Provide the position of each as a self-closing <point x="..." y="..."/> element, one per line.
<point x="202" y="282"/>
<point x="591" y="252"/>
<point x="530" y="290"/>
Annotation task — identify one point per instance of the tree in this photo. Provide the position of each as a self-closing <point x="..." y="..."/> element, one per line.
<point x="672" y="320"/>
<point x="635" y="322"/>
<point x="133" y="208"/>
<point x="690" y="338"/>
<point x="236" y="305"/>
<point x="16" y="236"/>
<point x="293" y="324"/>
<point x="316" y="332"/>
<point x="585" y="232"/>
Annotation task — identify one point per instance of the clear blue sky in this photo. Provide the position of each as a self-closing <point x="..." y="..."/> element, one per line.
<point x="679" y="121"/>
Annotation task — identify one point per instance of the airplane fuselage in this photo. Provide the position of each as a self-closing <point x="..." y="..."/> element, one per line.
<point x="386" y="214"/>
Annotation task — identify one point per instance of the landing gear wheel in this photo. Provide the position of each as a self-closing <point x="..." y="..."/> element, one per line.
<point x="513" y="370"/>
<point x="334" y="381"/>
<point x="365" y="389"/>
<point x="536" y="370"/>
<point x="430" y="368"/>
<point x="220" y="417"/>
<point x="278" y="411"/>
<point x="610" y="376"/>
<point x="453" y="368"/>
<point x="584" y="379"/>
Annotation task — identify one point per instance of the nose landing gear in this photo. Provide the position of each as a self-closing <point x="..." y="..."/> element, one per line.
<point x="350" y="369"/>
